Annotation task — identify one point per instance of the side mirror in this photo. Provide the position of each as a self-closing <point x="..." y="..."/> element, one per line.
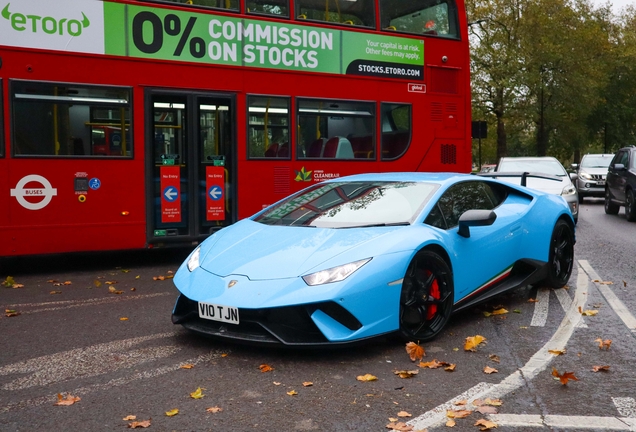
<point x="619" y="167"/>
<point x="575" y="166"/>
<point x="475" y="218"/>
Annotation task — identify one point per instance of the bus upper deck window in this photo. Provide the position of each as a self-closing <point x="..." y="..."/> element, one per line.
<point x="429" y="17"/>
<point x="345" y="12"/>
<point x="216" y="4"/>
<point x="268" y="7"/>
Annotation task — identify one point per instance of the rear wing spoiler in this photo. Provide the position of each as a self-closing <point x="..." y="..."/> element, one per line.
<point x="523" y="175"/>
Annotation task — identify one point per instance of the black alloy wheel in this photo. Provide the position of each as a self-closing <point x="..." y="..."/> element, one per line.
<point x="427" y="297"/>
<point x="610" y="207"/>
<point x="630" y="206"/>
<point x="561" y="255"/>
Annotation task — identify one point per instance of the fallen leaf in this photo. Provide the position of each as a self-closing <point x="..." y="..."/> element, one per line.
<point x="433" y="364"/>
<point x="450" y="367"/>
<point x="486" y="424"/>
<point x="265" y="368"/>
<point x="224" y="355"/>
<point x="8" y="282"/>
<point x="197" y="394"/>
<point x="68" y="283"/>
<point x="393" y="419"/>
<point x="487" y="409"/>
<point x="51" y="281"/>
<point x="404" y="414"/>
<point x="399" y="426"/>
<point x="173" y="412"/>
<point x="415" y="351"/>
<point x="603" y="343"/>
<point x="494" y="358"/>
<point x="123" y="319"/>
<point x="607" y="283"/>
<point x="588" y="312"/>
<point x="458" y="413"/>
<point x="276" y="383"/>
<point x="55" y="292"/>
<point x="97" y="283"/>
<point x="214" y="409"/>
<point x="500" y="311"/>
<point x="450" y="423"/>
<point x="139" y="424"/>
<point x="292" y="393"/>
<point x="460" y="402"/>
<point x="493" y="402"/>
<point x="112" y="290"/>
<point x="11" y="313"/>
<point x="366" y="377"/>
<point x="472" y="342"/>
<point x="600" y="368"/>
<point x="406" y="374"/>
<point x="133" y="289"/>
<point x="130" y="417"/>
<point x="307" y="384"/>
<point x="187" y="366"/>
<point x="565" y="377"/>
<point x="557" y="352"/>
<point x="490" y="370"/>
<point x="532" y="300"/>
<point x="624" y="284"/>
<point x="110" y="282"/>
<point x="70" y="400"/>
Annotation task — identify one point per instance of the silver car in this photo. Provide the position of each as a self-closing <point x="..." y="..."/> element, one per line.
<point x="543" y="165"/>
<point x="591" y="174"/>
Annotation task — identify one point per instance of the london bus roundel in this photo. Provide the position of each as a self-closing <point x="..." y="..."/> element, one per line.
<point x="46" y="192"/>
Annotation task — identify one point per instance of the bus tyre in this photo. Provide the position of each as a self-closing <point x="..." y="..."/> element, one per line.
<point x="427" y="297"/>
<point x="610" y="207"/>
<point x="560" y="256"/>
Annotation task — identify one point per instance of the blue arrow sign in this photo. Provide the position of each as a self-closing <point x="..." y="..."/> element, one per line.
<point x="171" y="193"/>
<point x="215" y="192"/>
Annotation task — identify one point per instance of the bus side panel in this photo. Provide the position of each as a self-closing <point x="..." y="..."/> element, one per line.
<point x="45" y="213"/>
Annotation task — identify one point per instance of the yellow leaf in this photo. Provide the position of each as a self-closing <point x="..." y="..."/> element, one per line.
<point x="110" y="282"/>
<point x="70" y="400"/>
<point x="600" y="368"/>
<point x="450" y="367"/>
<point x="224" y="355"/>
<point x="589" y="312"/>
<point x="55" y="292"/>
<point x="406" y="373"/>
<point x="472" y="342"/>
<point x="458" y="413"/>
<point x="11" y="313"/>
<point x="399" y="426"/>
<point x="130" y="417"/>
<point x="214" y="409"/>
<point x="276" y="383"/>
<point x="187" y="366"/>
<point x="307" y="384"/>
<point x="415" y="351"/>
<point x="603" y="343"/>
<point x="404" y="414"/>
<point x="139" y="424"/>
<point x="460" y="402"/>
<point x="123" y="319"/>
<point x="557" y="352"/>
<point x="486" y="424"/>
<point x="113" y="290"/>
<point x="393" y="419"/>
<point x="197" y="394"/>
<point x="450" y="423"/>
<point x="292" y="393"/>
<point x="493" y="402"/>
<point x="366" y="377"/>
<point x="172" y="413"/>
<point x="433" y="364"/>
<point x="490" y="370"/>
<point x="499" y="311"/>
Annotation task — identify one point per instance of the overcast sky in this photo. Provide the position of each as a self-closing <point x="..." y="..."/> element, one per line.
<point x="617" y="5"/>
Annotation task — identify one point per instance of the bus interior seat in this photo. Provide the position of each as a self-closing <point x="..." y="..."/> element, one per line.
<point x="272" y="150"/>
<point x="395" y="143"/>
<point x="283" y="150"/>
<point x="362" y="146"/>
<point x="316" y="148"/>
<point x="339" y="148"/>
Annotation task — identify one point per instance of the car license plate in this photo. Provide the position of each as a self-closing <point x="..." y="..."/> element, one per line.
<point x="217" y="312"/>
<point x="600" y="183"/>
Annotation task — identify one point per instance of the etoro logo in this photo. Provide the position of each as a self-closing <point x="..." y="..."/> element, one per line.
<point x="46" y="192"/>
<point x="49" y="25"/>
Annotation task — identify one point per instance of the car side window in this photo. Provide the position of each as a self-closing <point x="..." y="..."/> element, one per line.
<point x="471" y="195"/>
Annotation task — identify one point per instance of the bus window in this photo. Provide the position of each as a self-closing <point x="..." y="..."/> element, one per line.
<point x="72" y="120"/>
<point x="217" y="4"/>
<point x="335" y="129"/>
<point x="351" y="12"/>
<point x="268" y="7"/>
<point x="431" y="17"/>
<point x="268" y="127"/>
<point x="396" y="130"/>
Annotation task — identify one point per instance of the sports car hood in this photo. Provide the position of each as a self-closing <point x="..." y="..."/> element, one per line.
<point x="261" y="251"/>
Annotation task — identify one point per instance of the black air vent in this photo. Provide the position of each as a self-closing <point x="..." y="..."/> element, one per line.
<point x="281" y="180"/>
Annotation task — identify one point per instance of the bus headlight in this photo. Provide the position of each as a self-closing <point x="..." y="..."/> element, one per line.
<point x="335" y="274"/>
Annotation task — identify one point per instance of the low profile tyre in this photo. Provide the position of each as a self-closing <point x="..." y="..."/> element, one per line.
<point x="561" y="256"/>
<point x="610" y="207"/>
<point x="427" y="297"/>
<point x="630" y="206"/>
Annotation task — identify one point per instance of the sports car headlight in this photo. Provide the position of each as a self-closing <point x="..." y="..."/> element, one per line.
<point x="335" y="274"/>
<point x="585" y="175"/>
<point x="193" y="261"/>
<point x="569" y="190"/>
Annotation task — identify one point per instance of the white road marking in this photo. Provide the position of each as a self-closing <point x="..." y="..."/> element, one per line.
<point x="626" y="406"/>
<point x="618" y="306"/>
<point x="563" y="422"/>
<point x="566" y="303"/>
<point x="68" y="304"/>
<point x="84" y="362"/>
<point x="81" y="391"/>
<point x="536" y="364"/>
<point x="540" y="316"/>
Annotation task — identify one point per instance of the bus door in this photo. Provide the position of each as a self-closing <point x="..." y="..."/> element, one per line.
<point x="191" y="174"/>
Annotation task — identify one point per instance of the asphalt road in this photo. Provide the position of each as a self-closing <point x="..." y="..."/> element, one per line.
<point x="120" y="354"/>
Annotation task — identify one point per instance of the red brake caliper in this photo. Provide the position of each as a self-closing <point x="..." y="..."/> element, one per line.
<point x="432" y="309"/>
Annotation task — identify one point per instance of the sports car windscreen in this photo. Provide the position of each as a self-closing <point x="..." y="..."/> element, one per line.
<point x="351" y="204"/>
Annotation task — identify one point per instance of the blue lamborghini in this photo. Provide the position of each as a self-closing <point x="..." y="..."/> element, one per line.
<point x="372" y="254"/>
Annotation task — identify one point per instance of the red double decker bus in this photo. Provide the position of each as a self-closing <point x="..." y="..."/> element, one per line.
<point x="134" y="124"/>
